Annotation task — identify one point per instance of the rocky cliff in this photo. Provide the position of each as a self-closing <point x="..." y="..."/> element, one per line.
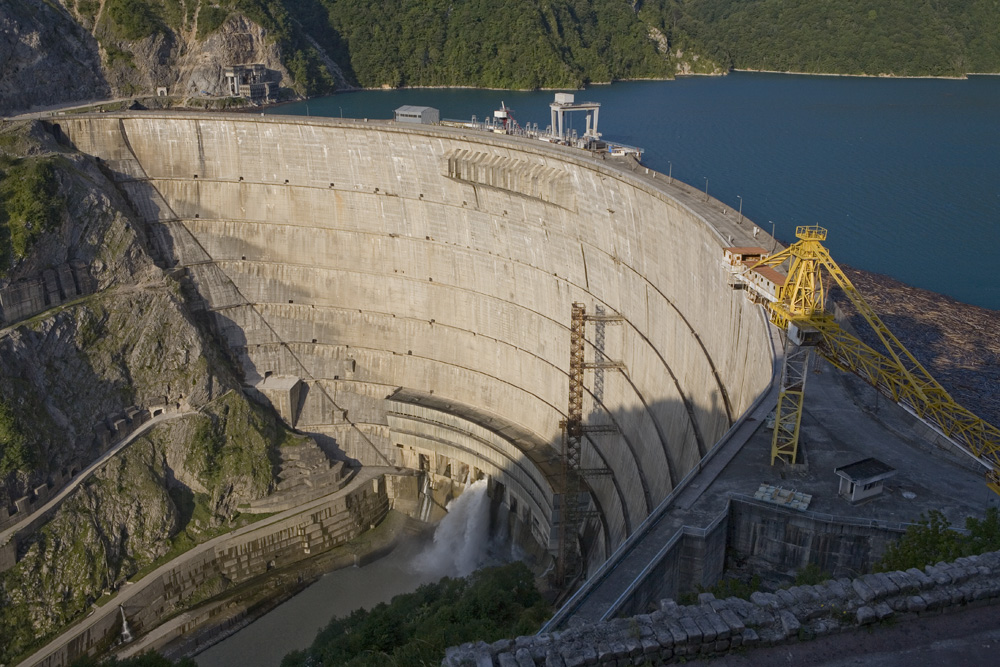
<point x="46" y="57"/>
<point x="78" y="51"/>
<point x="129" y="339"/>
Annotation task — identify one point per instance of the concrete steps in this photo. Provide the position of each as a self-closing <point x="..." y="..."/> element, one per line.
<point x="305" y="473"/>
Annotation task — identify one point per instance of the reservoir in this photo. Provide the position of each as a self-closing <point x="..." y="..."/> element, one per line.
<point x="903" y="172"/>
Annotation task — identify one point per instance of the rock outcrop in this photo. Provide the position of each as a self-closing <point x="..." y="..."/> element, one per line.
<point x="54" y="55"/>
<point x="69" y="373"/>
<point x="47" y="57"/>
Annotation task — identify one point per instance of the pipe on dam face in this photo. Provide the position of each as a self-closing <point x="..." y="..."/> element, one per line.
<point x="365" y="258"/>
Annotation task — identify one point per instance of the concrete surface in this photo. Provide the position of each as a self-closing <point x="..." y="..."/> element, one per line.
<point x="363" y="257"/>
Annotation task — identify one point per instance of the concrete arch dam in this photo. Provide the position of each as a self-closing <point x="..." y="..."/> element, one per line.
<point x="403" y="293"/>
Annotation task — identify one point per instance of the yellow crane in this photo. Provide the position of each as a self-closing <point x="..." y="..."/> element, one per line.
<point x="798" y="308"/>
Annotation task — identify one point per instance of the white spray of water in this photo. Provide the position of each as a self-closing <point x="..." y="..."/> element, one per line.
<point x="462" y="539"/>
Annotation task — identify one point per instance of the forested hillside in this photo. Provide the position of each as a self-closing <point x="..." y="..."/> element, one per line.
<point x="918" y="38"/>
<point x="317" y="46"/>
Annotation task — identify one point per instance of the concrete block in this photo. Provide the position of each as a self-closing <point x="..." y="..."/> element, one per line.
<point x="786" y="598"/>
<point x="664" y="637"/>
<point x="691" y="629"/>
<point x="606" y="653"/>
<point x="865" y="615"/>
<point x="730" y="618"/>
<point x="649" y="647"/>
<point x="668" y="606"/>
<point x="677" y="631"/>
<point x="921" y="579"/>
<point x="877" y="584"/>
<point x="762" y="599"/>
<point x="720" y="627"/>
<point x="523" y="658"/>
<point x="708" y="633"/>
<point x="939" y="574"/>
<point x="789" y="623"/>
<point x="572" y="655"/>
<point x="863" y="590"/>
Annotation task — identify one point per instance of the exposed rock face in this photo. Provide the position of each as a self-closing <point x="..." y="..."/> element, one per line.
<point x="46" y="57"/>
<point x="113" y="525"/>
<point x="239" y="40"/>
<point x="132" y="341"/>
<point x="52" y="57"/>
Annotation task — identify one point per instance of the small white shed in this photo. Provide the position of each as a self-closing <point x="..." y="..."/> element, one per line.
<point x="412" y="114"/>
<point x="863" y="479"/>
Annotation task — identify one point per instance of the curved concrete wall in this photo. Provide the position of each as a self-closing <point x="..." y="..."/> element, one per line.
<point x="363" y="257"/>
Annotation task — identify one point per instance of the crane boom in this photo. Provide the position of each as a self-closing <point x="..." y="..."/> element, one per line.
<point x="799" y="309"/>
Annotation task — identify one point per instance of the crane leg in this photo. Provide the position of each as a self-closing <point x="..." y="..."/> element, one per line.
<point x="788" y="415"/>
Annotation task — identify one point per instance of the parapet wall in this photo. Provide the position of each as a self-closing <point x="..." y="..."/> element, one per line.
<point x="676" y="634"/>
<point x="364" y="257"/>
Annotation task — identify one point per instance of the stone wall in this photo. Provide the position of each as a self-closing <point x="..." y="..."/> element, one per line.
<point x="714" y="627"/>
<point x="233" y="558"/>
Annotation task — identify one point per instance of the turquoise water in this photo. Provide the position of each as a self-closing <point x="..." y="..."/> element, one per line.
<point x="904" y="173"/>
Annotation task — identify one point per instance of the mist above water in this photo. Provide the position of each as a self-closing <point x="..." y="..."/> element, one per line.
<point x="462" y="542"/>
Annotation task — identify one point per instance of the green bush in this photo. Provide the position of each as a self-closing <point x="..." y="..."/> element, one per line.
<point x="932" y="540"/>
<point x="30" y="205"/>
<point x="210" y="19"/>
<point x="132" y="19"/>
<point x="16" y="451"/>
<point x="416" y="628"/>
<point x="811" y="575"/>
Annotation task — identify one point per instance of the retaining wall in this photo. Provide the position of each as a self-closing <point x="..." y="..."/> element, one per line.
<point x="233" y="558"/>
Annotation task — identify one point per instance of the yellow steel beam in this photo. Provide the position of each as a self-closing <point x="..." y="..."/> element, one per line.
<point x="898" y="375"/>
<point x="788" y="414"/>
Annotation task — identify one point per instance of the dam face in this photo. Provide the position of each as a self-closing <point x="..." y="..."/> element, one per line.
<point x="403" y="293"/>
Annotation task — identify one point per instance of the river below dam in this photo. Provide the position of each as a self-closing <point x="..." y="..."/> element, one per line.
<point x="903" y="172"/>
<point x="461" y="544"/>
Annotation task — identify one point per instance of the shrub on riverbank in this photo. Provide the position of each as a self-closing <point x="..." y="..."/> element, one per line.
<point x="416" y="628"/>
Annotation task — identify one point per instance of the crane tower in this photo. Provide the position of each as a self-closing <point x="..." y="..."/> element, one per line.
<point x="799" y="309"/>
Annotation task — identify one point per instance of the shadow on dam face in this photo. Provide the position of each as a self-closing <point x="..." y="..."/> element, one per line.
<point x="403" y="294"/>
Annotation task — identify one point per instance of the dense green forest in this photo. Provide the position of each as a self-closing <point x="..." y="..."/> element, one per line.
<point x="570" y="43"/>
<point x="556" y="43"/>
<point x="495" y="43"/>
<point x="920" y="38"/>
<point x="416" y="628"/>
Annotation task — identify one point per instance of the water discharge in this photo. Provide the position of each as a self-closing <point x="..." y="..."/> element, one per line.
<point x="462" y="541"/>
